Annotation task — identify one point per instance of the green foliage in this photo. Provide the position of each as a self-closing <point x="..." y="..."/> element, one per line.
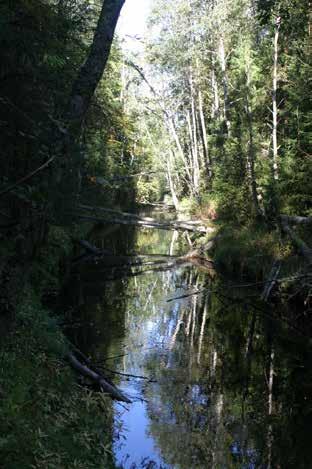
<point x="221" y="63"/>
<point x="248" y="252"/>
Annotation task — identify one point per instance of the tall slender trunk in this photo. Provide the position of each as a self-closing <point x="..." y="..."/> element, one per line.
<point x="274" y="103"/>
<point x="169" y="123"/>
<point x="193" y="155"/>
<point x="251" y="149"/>
<point x="203" y="134"/>
<point x="169" y="163"/>
<point x="309" y="26"/>
<point x="225" y="86"/>
<point x="215" y="111"/>
<point x="173" y="133"/>
<point x="193" y="135"/>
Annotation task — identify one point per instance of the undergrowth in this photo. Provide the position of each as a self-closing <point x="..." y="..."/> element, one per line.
<point x="248" y="252"/>
<point x="47" y="420"/>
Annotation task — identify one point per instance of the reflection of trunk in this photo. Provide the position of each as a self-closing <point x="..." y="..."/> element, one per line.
<point x="176" y="330"/>
<point x="249" y="351"/>
<point x="175" y="236"/>
<point x="270" y="435"/>
<point x="194" y="311"/>
<point x="218" y="453"/>
<point x="274" y="104"/>
<point x="214" y="363"/>
<point x="188" y="326"/>
<point x="202" y="329"/>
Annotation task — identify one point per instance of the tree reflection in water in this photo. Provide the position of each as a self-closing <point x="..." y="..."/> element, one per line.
<point x="226" y="377"/>
<point x="231" y="378"/>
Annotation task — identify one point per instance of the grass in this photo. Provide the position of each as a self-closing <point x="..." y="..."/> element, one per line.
<point x="248" y="252"/>
<point x="46" y="419"/>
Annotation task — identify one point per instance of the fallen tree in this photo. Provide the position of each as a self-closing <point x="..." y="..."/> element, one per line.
<point x="95" y="377"/>
<point x="125" y="218"/>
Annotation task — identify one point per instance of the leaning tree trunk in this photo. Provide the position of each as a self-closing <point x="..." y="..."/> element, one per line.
<point x="83" y="90"/>
<point x="92" y="70"/>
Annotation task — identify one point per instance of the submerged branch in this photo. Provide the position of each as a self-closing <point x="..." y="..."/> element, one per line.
<point x="96" y="378"/>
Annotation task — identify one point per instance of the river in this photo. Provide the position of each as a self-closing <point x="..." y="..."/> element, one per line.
<point x="218" y="378"/>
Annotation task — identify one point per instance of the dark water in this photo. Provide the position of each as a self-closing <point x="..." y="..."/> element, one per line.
<point x="229" y="381"/>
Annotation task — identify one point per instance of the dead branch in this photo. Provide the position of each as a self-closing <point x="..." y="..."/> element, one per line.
<point x="272" y="279"/>
<point x="27" y="177"/>
<point x="176" y="225"/>
<point x="97" y="378"/>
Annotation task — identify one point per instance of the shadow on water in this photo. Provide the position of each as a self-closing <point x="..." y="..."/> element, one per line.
<point x="229" y="381"/>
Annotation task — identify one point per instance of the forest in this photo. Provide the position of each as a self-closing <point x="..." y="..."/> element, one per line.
<point x="155" y="228"/>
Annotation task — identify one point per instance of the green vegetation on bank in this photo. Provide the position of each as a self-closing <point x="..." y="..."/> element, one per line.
<point x="47" y="419"/>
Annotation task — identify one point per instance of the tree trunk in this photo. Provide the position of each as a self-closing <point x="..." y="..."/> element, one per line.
<point x="193" y="135"/>
<point x="274" y="104"/>
<point x="175" y="199"/>
<point x="203" y="133"/>
<point x="215" y="111"/>
<point x="98" y="379"/>
<point x="89" y="75"/>
<point x="92" y="70"/>
<point x="225" y="86"/>
<point x="251" y="150"/>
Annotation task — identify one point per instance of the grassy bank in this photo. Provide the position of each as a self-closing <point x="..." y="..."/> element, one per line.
<point x="47" y="420"/>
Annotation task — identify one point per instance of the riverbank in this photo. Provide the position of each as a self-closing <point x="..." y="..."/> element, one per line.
<point x="265" y="256"/>
<point x="47" y="419"/>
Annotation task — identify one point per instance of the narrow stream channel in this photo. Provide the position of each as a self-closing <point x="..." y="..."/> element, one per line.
<point x="223" y="380"/>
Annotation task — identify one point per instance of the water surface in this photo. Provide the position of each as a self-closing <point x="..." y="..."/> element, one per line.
<point x="227" y="382"/>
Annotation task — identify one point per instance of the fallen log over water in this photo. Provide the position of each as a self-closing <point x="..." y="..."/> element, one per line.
<point x="111" y="261"/>
<point x="91" y="252"/>
<point x="125" y="218"/>
<point x="89" y="247"/>
<point x="296" y="220"/>
<point x="96" y="378"/>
